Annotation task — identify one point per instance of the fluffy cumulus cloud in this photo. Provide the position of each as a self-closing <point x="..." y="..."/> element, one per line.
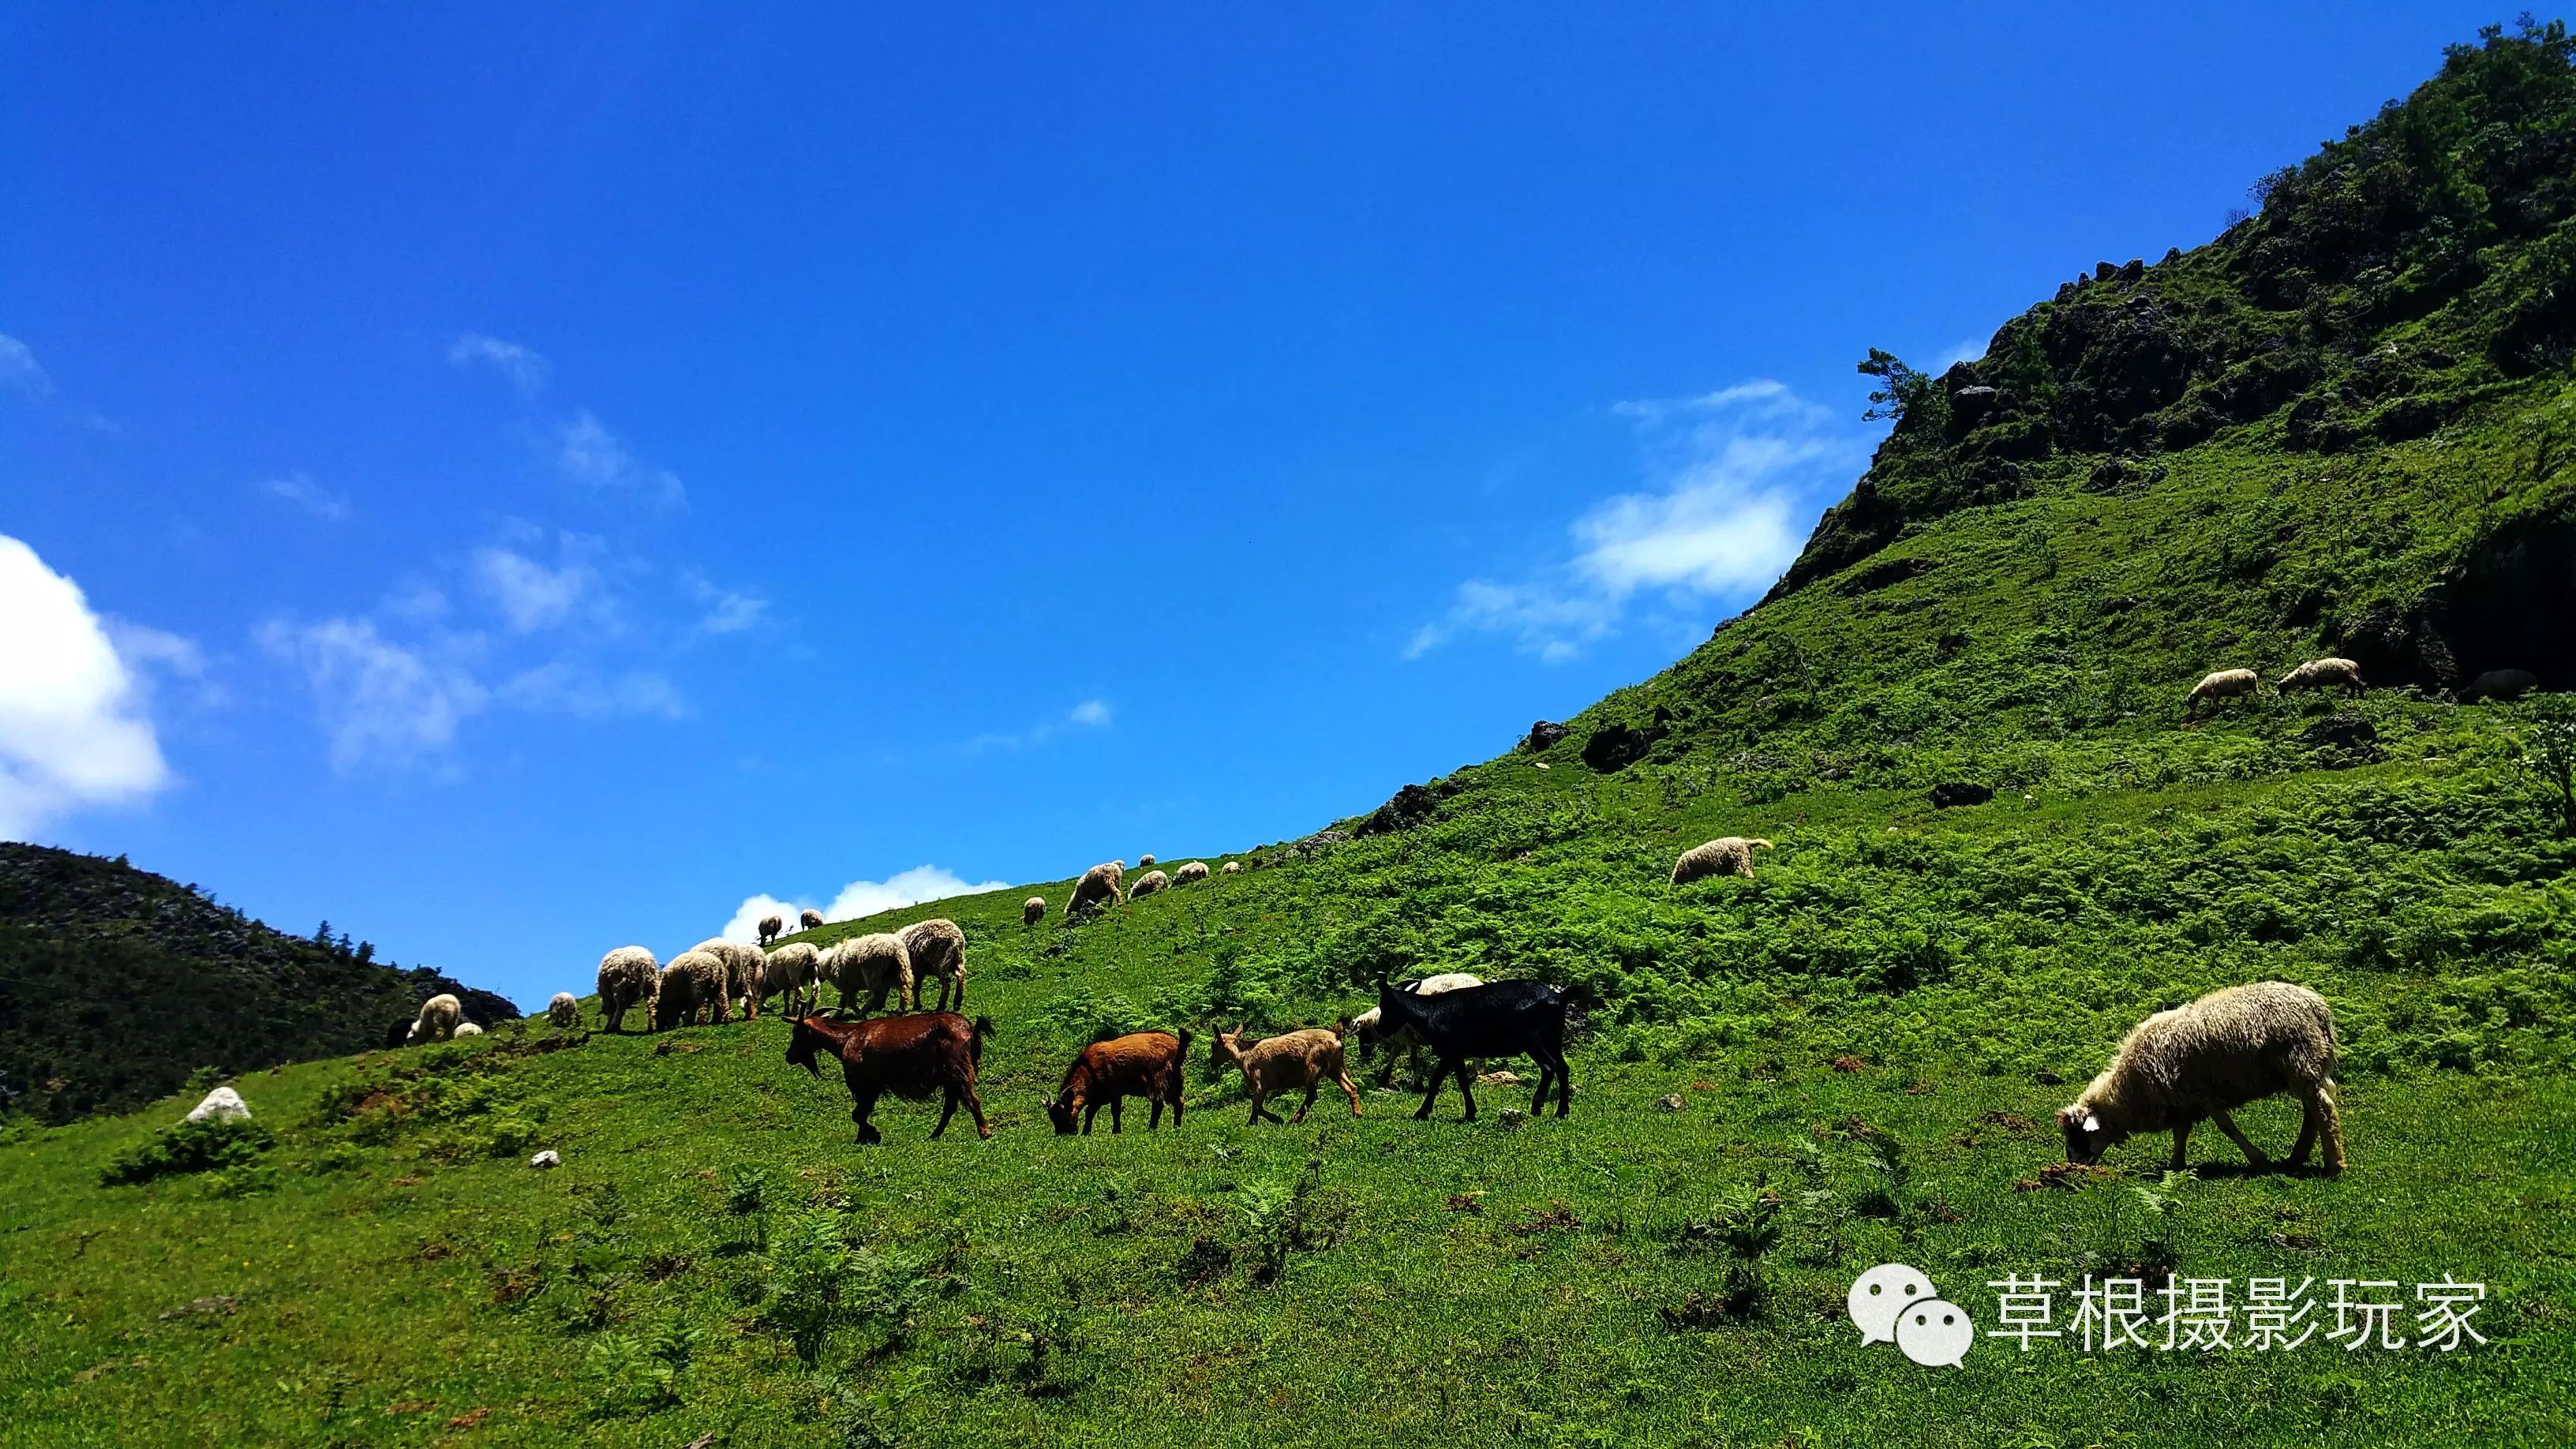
<point x="380" y="701"/>
<point x="530" y="595"/>
<point x="73" y="731"/>
<point x="1741" y="473"/>
<point x="859" y="898"/>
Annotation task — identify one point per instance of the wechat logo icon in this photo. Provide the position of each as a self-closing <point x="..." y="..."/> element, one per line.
<point x="1894" y="1303"/>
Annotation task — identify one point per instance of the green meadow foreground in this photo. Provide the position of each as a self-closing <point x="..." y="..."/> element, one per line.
<point x="2344" y="428"/>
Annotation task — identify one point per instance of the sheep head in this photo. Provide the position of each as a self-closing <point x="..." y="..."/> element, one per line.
<point x="2087" y="1136"/>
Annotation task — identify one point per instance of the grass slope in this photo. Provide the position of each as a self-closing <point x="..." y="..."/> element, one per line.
<point x="1860" y="1039"/>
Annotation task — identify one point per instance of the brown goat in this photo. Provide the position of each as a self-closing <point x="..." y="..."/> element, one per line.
<point x="1141" y="1064"/>
<point x="1284" y="1063"/>
<point x="910" y="1056"/>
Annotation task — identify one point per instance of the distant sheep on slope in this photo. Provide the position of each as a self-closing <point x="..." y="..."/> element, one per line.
<point x="1194" y="870"/>
<point x="1145" y="861"/>
<point x="2340" y="674"/>
<point x="790" y="973"/>
<point x="876" y="964"/>
<point x="2224" y="684"/>
<point x="1032" y="910"/>
<point x="770" y="926"/>
<point x="1148" y="883"/>
<point x="692" y="985"/>
<point x="437" y="1019"/>
<point x="937" y="949"/>
<point x="2231" y="1047"/>
<point x="1231" y="867"/>
<point x="808" y="919"/>
<point x="2500" y="684"/>
<point x="627" y="978"/>
<point x="564" y="1011"/>
<point x="466" y="1029"/>
<point x="1104" y="882"/>
<point x="1730" y="855"/>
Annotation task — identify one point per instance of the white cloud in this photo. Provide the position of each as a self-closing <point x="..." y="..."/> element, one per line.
<point x="1971" y="350"/>
<point x="591" y="455"/>
<point x="19" y="369"/>
<point x="72" y="728"/>
<point x="563" y="687"/>
<point x="523" y="366"/>
<point x="379" y="700"/>
<point x="302" y="492"/>
<point x="1091" y="714"/>
<point x="531" y="596"/>
<point x="728" y="611"/>
<point x="1743" y="472"/>
<point x="859" y="898"/>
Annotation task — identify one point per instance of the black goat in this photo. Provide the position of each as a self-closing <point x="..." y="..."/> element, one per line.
<point x="1499" y="1019"/>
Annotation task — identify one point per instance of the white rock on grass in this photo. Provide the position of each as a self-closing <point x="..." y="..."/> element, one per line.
<point x="221" y="1102"/>
<point x="545" y="1159"/>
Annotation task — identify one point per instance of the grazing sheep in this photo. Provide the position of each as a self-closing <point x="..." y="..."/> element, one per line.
<point x="790" y="972"/>
<point x="1195" y="870"/>
<point x="1730" y="855"/>
<point x="2340" y="674"/>
<point x="1144" y="1064"/>
<point x="694" y="982"/>
<point x="2231" y="1047"/>
<point x="627" y="978"/>
<point x="1284" y="1063"/>
<point x="937" y="948"/>
<point x="467" y="1028"/>
<point x="1365" y="1026"/>
<point x="1231" y="867"/>
<point x="2500" y="684"/>
<point x="564" y="1011"/>
<point x="2224" y="684"/>
<point x="1103" y="882"/>
<point x="808" y="919"/>
<point x="742" y="965"/>
<point x="437" y="1019"/>
<point x="876" y="964"/>
<point x="770" y="926"/>
<point x="1145" y="861"/>
<point x="1032" y="910"/>
<point x="1148" y="883"/>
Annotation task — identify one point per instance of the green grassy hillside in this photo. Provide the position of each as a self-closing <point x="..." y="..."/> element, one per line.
<point x="1781" y="1081"/>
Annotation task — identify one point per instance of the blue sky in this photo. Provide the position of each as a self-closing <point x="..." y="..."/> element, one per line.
<point x="519" y="480"/>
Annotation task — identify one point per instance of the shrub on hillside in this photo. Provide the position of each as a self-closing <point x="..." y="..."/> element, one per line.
<point x="214" y="1144"/>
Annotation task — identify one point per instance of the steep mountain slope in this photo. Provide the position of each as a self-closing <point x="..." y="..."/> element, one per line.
<point x="115" y="984"/>
<point x="1781" y="1081"/>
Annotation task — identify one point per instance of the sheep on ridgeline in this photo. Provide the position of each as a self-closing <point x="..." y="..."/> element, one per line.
<point x="770" y="926"/>
<point x="564" y="1011"/>
<point x="694" y="983"/>
<point x="910" y="1056"/>
<point x="2500" y="684"/>
<point x="467" y="1028"/>
<point x="1145" y="861"/>
<point x="790" y="972"/>
<point x="1149" y="883"/>
<point x="2224" y="684"/>
<point x="1231" y="867"/>
<point x="1194" y="870"/>
<point x="2340" y="674"/>
<point x="627" y="978"/>
<point x="808" y="918"/>
<point x="936" y="948"/>
<point x="1103" y="882"/>
<point x="742" y="965"/>
<point x="876" y="964"/>
<point x="1730" y="855"/>
<point x="437" y="1019"/>
<point x="1144" y="1064"/>
<point x="2233" y="1046"/>
<point x="1369" y="1026"/>
<point x="1284" y="1063"/>
<point x="1032" y="910"/>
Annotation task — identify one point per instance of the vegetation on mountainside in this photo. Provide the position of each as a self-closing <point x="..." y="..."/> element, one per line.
<point x="1865" y="1041"/>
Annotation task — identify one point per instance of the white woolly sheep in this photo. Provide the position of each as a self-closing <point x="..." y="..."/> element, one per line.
<point x="437" y="1019"/>
<point x="770" y="926"/>
<point x="627" y="979"/>
<point x="2500" y="684"/>
<point x="1032" y="910"/>
<point x="1103" y="882"/>
<point x="1365" y="1025"/>
<point x="937" y="948"/>
<point x="790" y="973"/>
<point x="692" y="984"/>
<point x="2224" y="684"/>
<point x="1194" y="870"/>
<point x="1147" y="884"/>
<point x="564" y="1011"/>
<point x="2233" y="1046"/>
<point x="2340" y="674"/>
<point x="1145" y="861"/>
<point x="1231" y="867"/>
<point x="1729" y="855"/>
<point x="876" y="964"/>
<point x="808" y="919"/>
<point x="467" y="1028"/>
<point x="742" y="965"/>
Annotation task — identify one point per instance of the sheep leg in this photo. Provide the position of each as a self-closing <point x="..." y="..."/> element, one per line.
<point x="2253" y="1154"/>
<point x="1312" y="1085"/>
<point x="2181" y="1157"/>
<point x="2323" y="1120"/>
<point x="1467" y="1089"/>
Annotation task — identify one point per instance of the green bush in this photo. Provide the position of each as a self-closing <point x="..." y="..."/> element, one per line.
<point x="213" y="1144"/>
